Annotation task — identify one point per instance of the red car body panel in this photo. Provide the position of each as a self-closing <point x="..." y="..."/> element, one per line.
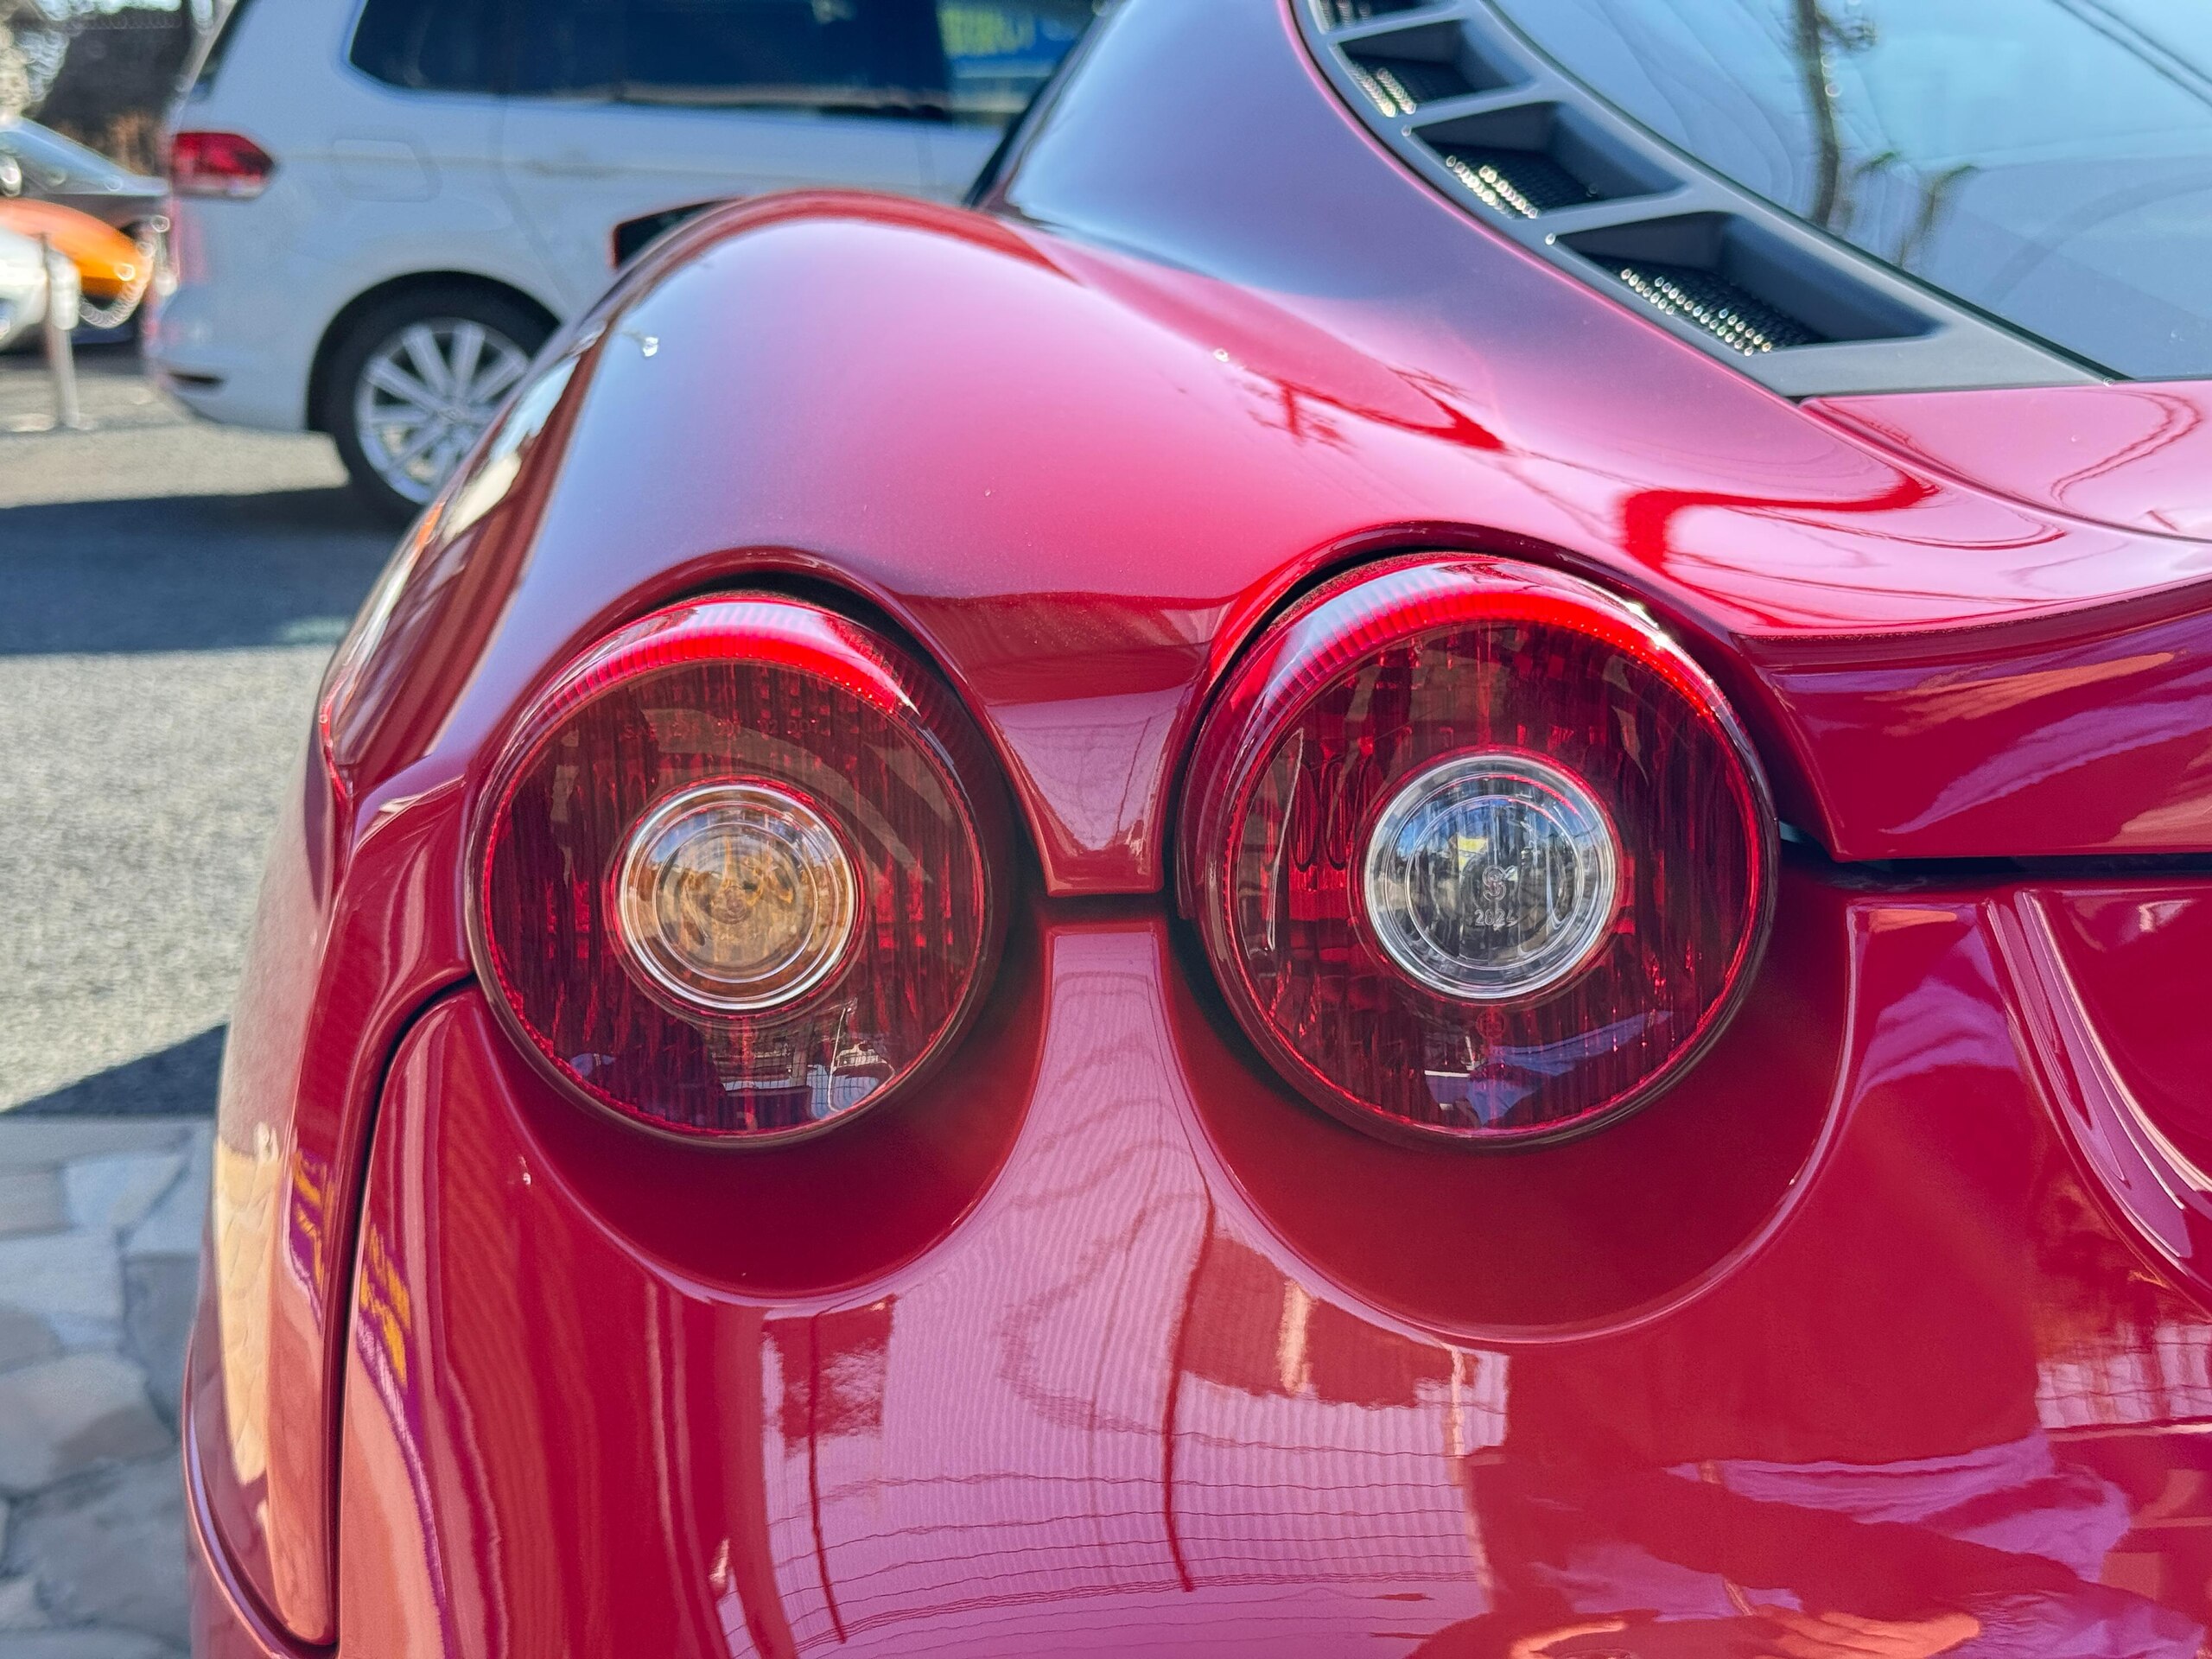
<point x="1078" y="450"/>
<point x="1106" y="1345"/>
<point x="2138" y="457"/>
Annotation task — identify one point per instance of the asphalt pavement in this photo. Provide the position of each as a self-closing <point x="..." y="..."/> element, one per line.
<point x="169" y="592"/>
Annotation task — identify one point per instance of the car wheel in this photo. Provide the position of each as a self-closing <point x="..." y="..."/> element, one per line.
<point x="415" y="384"/>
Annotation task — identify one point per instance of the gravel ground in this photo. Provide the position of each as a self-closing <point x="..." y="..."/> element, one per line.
<point x="169" y="592"/>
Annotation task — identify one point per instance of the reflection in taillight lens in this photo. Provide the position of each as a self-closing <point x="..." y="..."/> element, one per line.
<point x="1478" y="853"/>
<point x="735" y="896"/>
<point x="734" y="878"/>
<point x="225" y="164"/>
<point x="1491" y="876"/>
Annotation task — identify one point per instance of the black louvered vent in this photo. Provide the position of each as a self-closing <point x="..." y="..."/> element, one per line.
<point x="1342" y="13"/>
<point x="1400" y="85"/>
<point x="1738" y="284"/>
<point x="1736" y="318"/>
<point x="1524" y="182"/>
<point x="1535" y="158"/>
<point x="1422" y="64"/>
<point x="1470" y="104"/>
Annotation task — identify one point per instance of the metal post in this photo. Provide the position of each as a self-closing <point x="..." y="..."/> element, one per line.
<point x="60" y="358"/>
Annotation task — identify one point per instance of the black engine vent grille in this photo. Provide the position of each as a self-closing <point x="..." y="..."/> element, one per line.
<point x="1524" y="182"/>
<point x="1738" y="285"/>
<point x="1342" y="13"/>
<point x="1706" y="300"/>
<point x="1471" y="105"/>
<point x="1400" y="85"/>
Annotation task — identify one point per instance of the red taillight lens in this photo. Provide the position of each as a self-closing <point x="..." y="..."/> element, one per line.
<point x="219" y="164"/>
<point x="734" y="878"/>
<point x="1478" y="853"/>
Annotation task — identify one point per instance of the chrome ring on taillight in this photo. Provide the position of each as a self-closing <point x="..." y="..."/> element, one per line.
<point x="736" y="875"/>
<point x="1479" y="853"/>
<point x="1491" y="876"/>
<point x="736" y="897"/>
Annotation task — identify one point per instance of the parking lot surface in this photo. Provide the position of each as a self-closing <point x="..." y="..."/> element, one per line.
<point x="169" y="592"/>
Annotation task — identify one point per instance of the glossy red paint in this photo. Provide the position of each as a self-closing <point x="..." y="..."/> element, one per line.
<point x="1133" y="1367"/>
<point x="335" y="971"/>
<point x="2138" y="457"/>
<point x="1142" y="1320"/>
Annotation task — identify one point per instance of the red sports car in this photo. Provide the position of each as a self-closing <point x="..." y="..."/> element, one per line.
<point x="1420" y="862"/>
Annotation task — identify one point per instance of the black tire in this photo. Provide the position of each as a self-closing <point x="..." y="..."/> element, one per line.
<point x="383" y="328"/>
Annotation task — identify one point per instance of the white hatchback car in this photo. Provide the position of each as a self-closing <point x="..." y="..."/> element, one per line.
<point x="384" y="206"/>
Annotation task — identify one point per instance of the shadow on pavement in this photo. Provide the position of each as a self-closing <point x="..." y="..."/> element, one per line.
<point x="185" y="573"/>
<point x="177" y="1081"/>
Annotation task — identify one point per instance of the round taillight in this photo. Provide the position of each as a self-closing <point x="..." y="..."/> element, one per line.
<point x="1477" y="853"/>
<point x="735" y="876"/>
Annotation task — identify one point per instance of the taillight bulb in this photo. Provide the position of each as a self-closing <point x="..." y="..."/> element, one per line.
<point x="735" y="896"/>
<point x="1491" y="876"/>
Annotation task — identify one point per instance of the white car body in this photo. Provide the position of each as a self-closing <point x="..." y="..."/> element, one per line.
<point x="375" y="184"/>
<point x="28" y="281"/>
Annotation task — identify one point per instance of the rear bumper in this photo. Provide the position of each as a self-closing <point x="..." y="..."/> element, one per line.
<point x="226" y="367"/>
<point x="232" y="332"/>
<point x="1104" y="1345"/>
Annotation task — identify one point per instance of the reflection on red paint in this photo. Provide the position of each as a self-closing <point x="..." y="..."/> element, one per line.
<point x="2134" y="456"/>
<point x="1113" y="1409"/>
<point x="1648" y="516"/>
<point x="306" y="1227"/>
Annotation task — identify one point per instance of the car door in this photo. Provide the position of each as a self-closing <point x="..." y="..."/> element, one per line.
<point x="418" y="121"/>
<point x="622" y="108"/>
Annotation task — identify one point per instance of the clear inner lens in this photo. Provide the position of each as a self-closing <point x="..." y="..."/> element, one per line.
<point x="1492" y="876"/>
<point x="736" y="896"/>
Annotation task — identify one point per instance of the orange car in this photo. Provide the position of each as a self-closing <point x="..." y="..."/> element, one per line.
<point x="109" y="264"/>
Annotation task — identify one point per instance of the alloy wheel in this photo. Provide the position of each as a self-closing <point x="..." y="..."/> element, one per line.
<point x="425" y="396"/>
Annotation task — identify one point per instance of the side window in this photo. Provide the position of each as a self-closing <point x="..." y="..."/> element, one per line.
<point x="569" y="49"/>
<point x="855" y="55"/>
<point x="832" y="55"/>
<point x="973" y="59"/>
<point x="998" y="53"/>
<point x="441" y="46"/>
